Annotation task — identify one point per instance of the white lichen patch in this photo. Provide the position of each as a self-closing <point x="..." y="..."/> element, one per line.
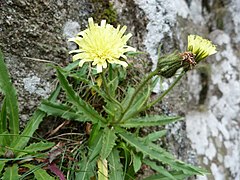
<point x="34" y="85"/>
<point x="71" y="29"/>
<point x="162" y="16"/>
<point x="214" y="133"/>
<point x="214" y="130"/>
<point x="235" y="9"/>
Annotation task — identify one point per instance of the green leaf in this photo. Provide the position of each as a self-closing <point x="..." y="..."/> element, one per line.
<point x="87" y="164"/>
<point x="5" y="140"/>
<point x="161" y="156"/>
<point x="176" y="174"/>
<point x="11" y="173"/>
<point x="40" y="146"/>
<point x="3" y="117"/>
<point x="129" y="94"/>
<point x="80" y="104"/>
<point x="159" y="169"/>
<point x="71" y="66"/>
<point x="39" y="173"/>
<point x="138" y="102"/>
<point x="108" y="142"/>
<point x="37" y="147"/>
<point x="11" y="98"/>
<point x="155" y="120"/>
<point x="115" y="166"/>
<point x="112" y="86"/>
<point x="2" y="164"/>
<point x="60" y="110"/>
<point x="137" y="163"/>
<point x="155" y="136"/>
<point x="33" y="124"/>
<point x="28" y="131"/>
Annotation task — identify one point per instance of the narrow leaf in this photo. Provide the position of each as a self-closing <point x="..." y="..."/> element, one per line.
<point x="33" y="124"/>
<point x="35" y="147"/>
<point x="39" y="173"/>
<point x="159" y="169"/>
<point x="71" y="66"/>
<point x="80" y="104"/>
<point x="158" y="155"/>
<point x="5" y="140"/>
<point x="137" y="163"/>
<point x="40" y="146"/>
<point x="115" y="166"/>
<point x="11" y="97"/>
<point x="108" y="142"/>
<point x="2" y="164"/>
<point x="3" y="117"/>
<point x="129" y="94"/>
<point x="11" y="173"/>
<point x="87" y="164"/>
<point x="64" y="111"/>
<point x="176" y="174"/>
<point x="155" y="120"/>
<point x="138" y="102"/>
<point x="155" y="136"/>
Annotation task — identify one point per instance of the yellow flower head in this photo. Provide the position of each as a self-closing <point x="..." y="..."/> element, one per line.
<point x="101" y="44"/>
<point x="201" y="48"/>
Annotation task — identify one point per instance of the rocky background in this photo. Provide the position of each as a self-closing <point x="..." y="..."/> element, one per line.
<point x="33" y="33"/>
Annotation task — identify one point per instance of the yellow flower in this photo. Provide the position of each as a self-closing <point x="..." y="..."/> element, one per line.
<point x="201" y="48"/>
<point x="102" y="44"/>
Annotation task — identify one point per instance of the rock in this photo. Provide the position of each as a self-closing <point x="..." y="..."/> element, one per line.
<point x="208" y="96"/>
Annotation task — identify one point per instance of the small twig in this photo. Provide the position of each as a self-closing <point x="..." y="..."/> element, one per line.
<point x="40" y="60"/>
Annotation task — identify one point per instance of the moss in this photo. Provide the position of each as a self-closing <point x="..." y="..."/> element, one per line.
<point x="104" y="10"/>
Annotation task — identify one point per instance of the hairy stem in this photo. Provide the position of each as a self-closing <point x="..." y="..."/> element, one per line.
<point x="139" y="88"/>
<point x="164" y="93"/>
<point x="108" y="93"/>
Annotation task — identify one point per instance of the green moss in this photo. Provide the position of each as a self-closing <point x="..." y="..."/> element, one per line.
<point x="104" y="10"/>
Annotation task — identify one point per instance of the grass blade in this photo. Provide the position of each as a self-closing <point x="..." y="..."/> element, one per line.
<point x="33" y="124"/>
<point x="11" y="98"/>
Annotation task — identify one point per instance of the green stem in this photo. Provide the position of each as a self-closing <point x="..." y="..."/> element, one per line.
<point x="160" y="97"/>
<point x="139" y="88"/>
<point x="163" y="94"/>
<point x="108" y="93"/>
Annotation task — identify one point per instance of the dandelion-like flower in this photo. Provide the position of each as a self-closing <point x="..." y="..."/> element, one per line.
<point x="102" y="45"/>
<point x="200" y="47"/>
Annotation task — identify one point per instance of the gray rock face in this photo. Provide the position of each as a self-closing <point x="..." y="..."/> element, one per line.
<point x="212" y="97"/>
<point x="35" y="31"/>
